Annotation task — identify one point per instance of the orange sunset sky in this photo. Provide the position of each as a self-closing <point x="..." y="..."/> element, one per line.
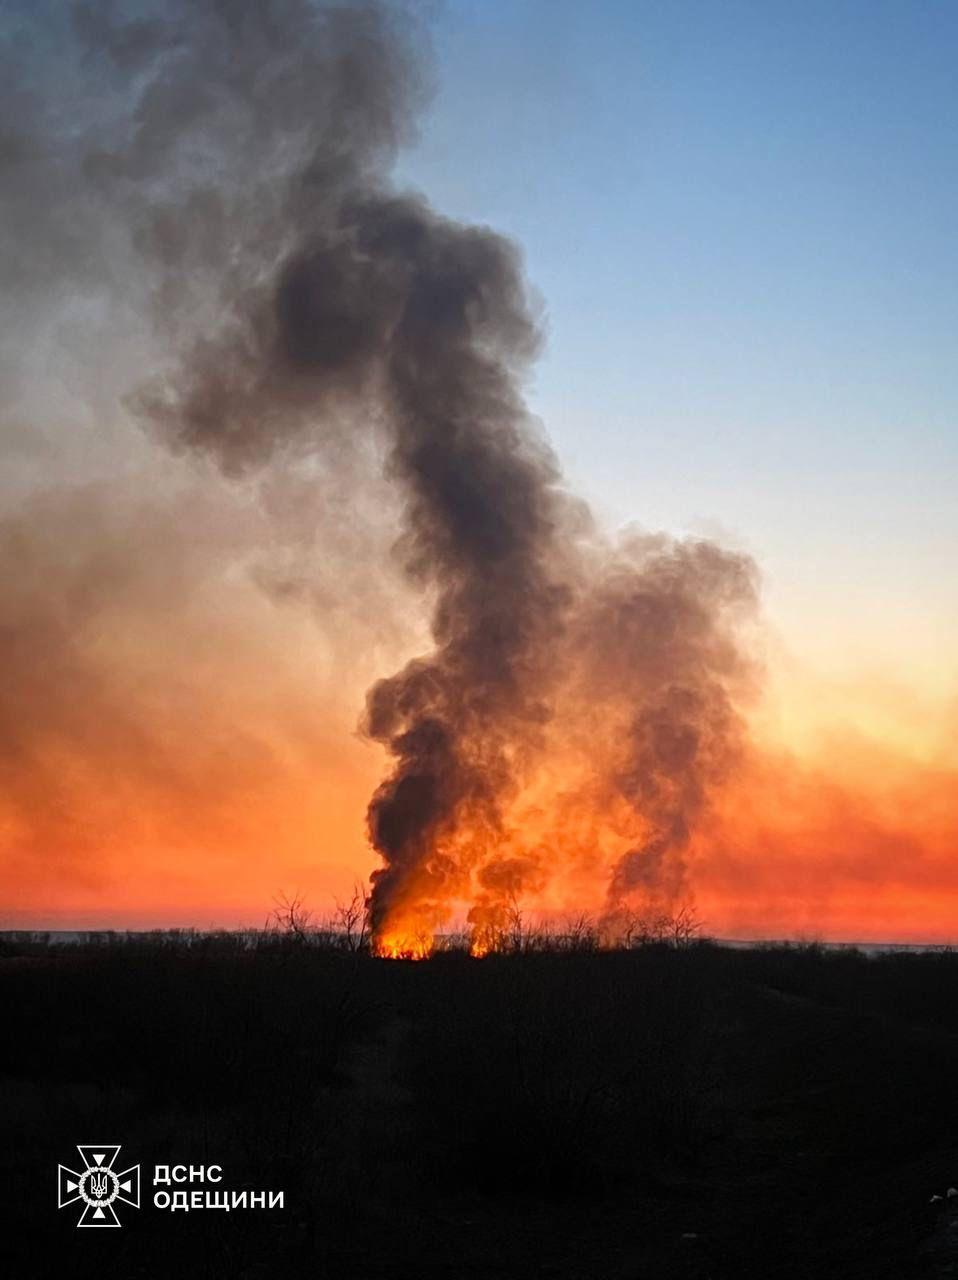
<point x="748" y="311"/>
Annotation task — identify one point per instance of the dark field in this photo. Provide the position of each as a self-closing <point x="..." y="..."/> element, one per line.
<point x="660" y="1112"/>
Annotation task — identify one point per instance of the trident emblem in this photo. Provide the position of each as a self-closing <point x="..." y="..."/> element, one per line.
<point x="98" y="1186"/>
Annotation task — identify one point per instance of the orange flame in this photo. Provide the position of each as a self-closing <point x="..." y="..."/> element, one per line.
<point x="405" y="945"/>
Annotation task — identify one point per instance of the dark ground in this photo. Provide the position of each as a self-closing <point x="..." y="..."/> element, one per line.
<point x="587" y="1116"/>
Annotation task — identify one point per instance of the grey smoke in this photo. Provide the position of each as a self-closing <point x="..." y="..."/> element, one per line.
<point x="239" y="155"/>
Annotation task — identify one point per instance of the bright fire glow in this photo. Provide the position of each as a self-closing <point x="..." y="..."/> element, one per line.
<point x="405" y="946"/>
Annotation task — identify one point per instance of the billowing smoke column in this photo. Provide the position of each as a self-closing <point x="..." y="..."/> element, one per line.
<point x="662" y="649"/>
<point x="431" y="318"/>
<point x="482" y="515"/>
<point x="309" y="300"/>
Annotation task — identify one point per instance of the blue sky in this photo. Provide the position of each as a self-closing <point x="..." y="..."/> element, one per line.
<point x="741" y="219"/>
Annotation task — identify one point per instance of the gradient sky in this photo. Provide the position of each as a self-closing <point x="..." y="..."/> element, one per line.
<point x="741" y="218"/>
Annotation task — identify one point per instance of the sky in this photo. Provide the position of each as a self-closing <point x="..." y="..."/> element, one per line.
<point x="740" y="217"/>
<point x="736" y="221"/>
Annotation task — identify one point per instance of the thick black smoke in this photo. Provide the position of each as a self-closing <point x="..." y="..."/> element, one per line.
<point x="305" y="300"/>
<point x="371" y="298"/>
<point x="426" y="322"/>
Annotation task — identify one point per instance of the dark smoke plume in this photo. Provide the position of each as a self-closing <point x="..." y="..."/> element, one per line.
<point x="306" y="302"/>
<point x="662" y="638"/>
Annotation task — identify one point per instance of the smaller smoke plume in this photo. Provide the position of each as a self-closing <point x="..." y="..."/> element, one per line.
<point x="647" y="678"/>
<point x="663" y="634"/>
